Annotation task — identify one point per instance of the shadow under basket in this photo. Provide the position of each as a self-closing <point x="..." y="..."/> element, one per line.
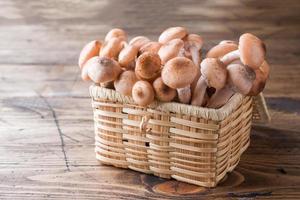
<point x="171" y="140"/>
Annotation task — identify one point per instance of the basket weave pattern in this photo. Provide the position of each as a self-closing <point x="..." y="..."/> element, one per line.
<point x="171" y="144"/>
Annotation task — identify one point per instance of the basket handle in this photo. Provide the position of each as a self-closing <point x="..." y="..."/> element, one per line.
<point x="144" y="123"/>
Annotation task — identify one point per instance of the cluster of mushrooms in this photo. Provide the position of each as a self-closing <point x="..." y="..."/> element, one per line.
<point x="171" y="69"/>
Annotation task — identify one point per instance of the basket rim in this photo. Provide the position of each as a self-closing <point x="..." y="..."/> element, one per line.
<point x="98" y="92"/>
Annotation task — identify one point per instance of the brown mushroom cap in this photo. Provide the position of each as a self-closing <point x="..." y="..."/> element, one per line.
<point x="124" y="83"/>
<point x="143" y="93"/>
<point x="258" y="84"/>
<point x="102" y="69"/>
<point x="252" y="50"/>
<point x="127" y="56"/>
<point x="162" y="91"/>
<point x="152" y="47"/>
<point x="111" y="48"/>
<point x="214" y="72"/>
<point x="139" y="41"/>
<point x="265" y="68"/>
<point x="172" y="33"/>
<point x="170" y="50"/>
<point x="228" y="42"/>
<point x="178" y="72"/>
<point x="90" y="50"/>
<point x="240" y="78"/>
<point x="116" y="33"/>
<point x="147" y="66"/>
<point x="220" y="50"/>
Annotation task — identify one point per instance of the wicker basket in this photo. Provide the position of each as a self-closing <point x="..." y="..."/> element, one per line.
<point x="171" y="140"/>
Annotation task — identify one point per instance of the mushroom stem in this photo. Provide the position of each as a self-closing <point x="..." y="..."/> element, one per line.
<point x="230" y="57"/>
<point x="220" y="97"/>
<point x="199" y="93"/>
<point x="184" y="94"/>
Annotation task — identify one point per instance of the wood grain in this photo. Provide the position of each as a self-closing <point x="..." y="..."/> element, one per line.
<point x="46" y="122"/>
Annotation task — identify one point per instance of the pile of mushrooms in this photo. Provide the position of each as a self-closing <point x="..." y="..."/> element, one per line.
<point x="171" y="68"/>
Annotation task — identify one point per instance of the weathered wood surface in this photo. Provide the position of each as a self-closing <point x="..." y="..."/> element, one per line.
<point x="46" y="127"/>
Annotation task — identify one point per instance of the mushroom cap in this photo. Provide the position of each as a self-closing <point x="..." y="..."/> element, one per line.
<point x="127" y="56"/>
<point x="170" y="50"/>
<point x="90" y="50"/>
<point x="220" y="50"/>
<point x="179" y="72"/>
<point x="124" y="83"/>
<point x="84" y="74"/>
<point x="258" y="84"/>
<point x="193" y="40"/>
<point x="147" y="65"/>
<point x="162" y="91"/>
<point x="240" y="78"/>
<point x="103" y="69"/>
<point x="252" y="50"/>
<point x="214" y="72"/>
<point x="143" y="93"/>
<point x="139" y="41"/>
<point x="152" y="47"/>
<point x="228" y="42"/>
<point x="172" y="33"/>
<point x="116" y="33"/>
<point x="111" y="48"/>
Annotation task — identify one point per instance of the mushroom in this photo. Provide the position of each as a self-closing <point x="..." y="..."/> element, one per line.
<point x="127" y="56"/>
<point x="162" y="91"/>
<point x="184" y="94"/>
<point x="240" y="79"/>
<point x="111" y="48"/>
<point x="199" y="95"/>
<point x="84" y="74"/>
<point x="252" y="50"/>
<point x="178" y="72"/>
<point x="90" y="50"/>
<point x="142" y="93"/>
<point x="124" y="83"/>
<point x="139" y="41"/>
<point x="221" y="49"/>
<point x="172" y="33"/>
<point x="214" y="72"/>
<point x="152" y="47"/>
<point x="193" y="44"/>
<point x="102" y="69"/>
<point x="170" y="50"/>
<point x="259" y="83"/>
<point x="116" y="33"/>
<point x="147" y="66"/>
<point x="220" y="97"/>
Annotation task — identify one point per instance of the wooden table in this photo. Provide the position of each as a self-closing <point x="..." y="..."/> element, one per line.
<point x="46" y="125"/>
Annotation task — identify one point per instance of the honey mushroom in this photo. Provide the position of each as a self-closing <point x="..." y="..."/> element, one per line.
<point x="116" y="33"/>
<point x="214" y="74"/>
<point x="221" y="49"/>
<point x="90" y="50"/>
<point x="127" y="57"/>
<point x="151" y="47"/>
<point x="142" y="93"/>
<point x="172" y="33"/>
<point x="170" y="50"/>
<point x="111" y="48"/>
<point x="251" y="51"/>
<point x="139" y="41"/>
<point x="193" y="44"/>
<point x="162" y="91"/>
<point x="240" y="79"/>
<point x="103" y="69"/>
<point x="148" y="66"/>
<point x="178" y="73"/>
<point x="124" y="83"/>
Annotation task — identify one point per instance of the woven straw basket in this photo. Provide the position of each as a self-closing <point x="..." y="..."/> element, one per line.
<point x="171" y="140"/>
